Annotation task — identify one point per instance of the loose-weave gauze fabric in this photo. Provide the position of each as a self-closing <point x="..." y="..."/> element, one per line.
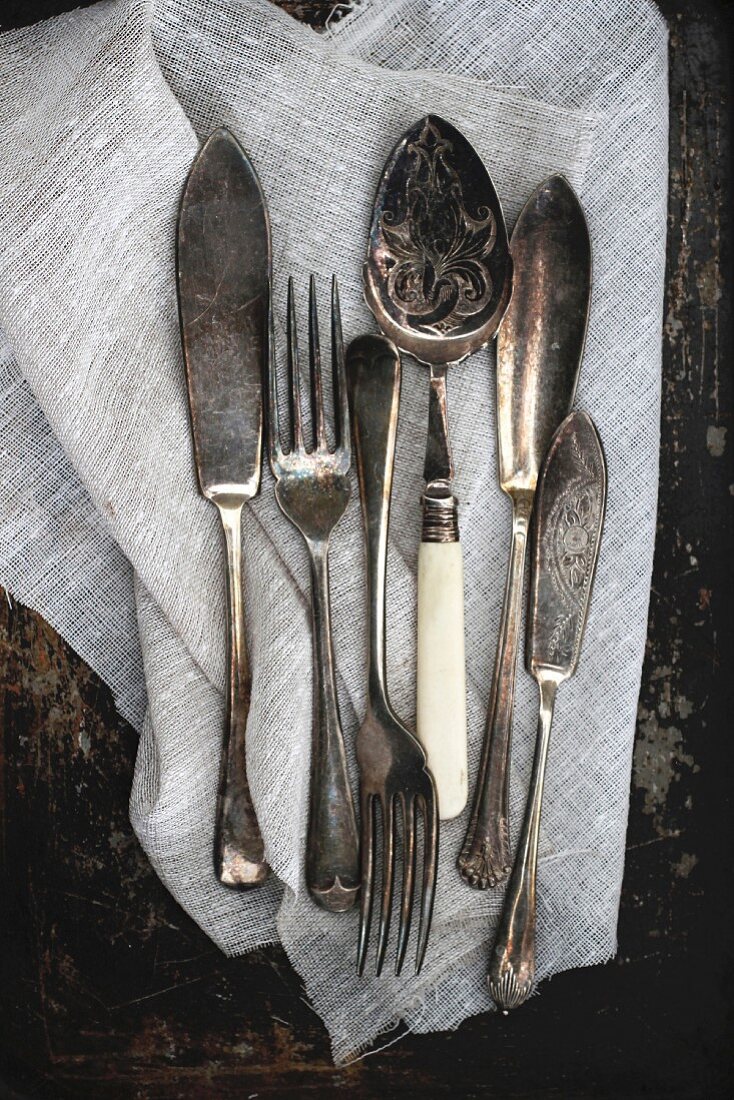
<point x="102" y="529"/>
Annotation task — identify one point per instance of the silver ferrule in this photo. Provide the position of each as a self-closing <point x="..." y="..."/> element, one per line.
<point x="440" y="519"/>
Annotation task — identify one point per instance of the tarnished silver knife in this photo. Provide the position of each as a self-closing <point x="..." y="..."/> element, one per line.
<point x="569" y="515"/>
<point x="223" y="264"/>
<point x="539" y="349"/>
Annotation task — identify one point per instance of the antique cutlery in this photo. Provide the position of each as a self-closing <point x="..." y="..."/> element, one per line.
<point x="394" y="776"/>
<point x="566" y="536"/>
<point x="438" y="278"/>
<point x="223" y="264"/>
<point x="312" y="489"/>
<point x="539" y="349"/>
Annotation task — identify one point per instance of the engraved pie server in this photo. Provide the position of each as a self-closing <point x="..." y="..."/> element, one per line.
<point x="438" y="278"/>
<point x="539" y="349"/>
<point x="567" y="531"/>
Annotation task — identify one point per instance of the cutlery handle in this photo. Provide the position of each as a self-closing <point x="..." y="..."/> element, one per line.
<point x="373" y="379"/>
<point x="441" y="672"/>
<point x="240" y="853"/>
<point x="512" y="966"/>
<point x="485" y="856"/>
<point x="332" y="849"/>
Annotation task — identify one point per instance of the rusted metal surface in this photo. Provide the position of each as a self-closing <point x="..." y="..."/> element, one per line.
<point x="108" y="990"/>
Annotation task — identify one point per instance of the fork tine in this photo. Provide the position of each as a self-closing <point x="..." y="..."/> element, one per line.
<point x="388" y="875"/>
<point x="314" y="348"/>
<point x="430" y="858"/>
<point x="406" y="907"/>
<point x="275" y="445"/>
<point x="341" y="398"/>
<point x="294" y="376"/>
<point x="368" y="878"/>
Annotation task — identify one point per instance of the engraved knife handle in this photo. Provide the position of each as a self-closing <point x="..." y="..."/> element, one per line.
<point x="512" y="966"/>
<point x="240" y="853"/>
<point x="332" y="848"/>
<point x="485" y="857"/>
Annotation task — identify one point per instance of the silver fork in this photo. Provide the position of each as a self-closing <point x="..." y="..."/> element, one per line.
<point x="393" y="772"/>
<point x="312" y="490"/>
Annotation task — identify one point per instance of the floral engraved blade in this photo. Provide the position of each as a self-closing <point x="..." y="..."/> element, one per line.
<point x="439" y="258"/>
<point x="570" y="507"/>
<point x="436" y="253"/>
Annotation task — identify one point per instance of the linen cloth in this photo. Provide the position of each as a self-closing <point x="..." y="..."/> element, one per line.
<point x="102" y="529"/>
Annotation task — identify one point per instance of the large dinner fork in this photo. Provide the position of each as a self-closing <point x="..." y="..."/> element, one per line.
<point x="394" y="776"/>
<point x="312" y="490"/>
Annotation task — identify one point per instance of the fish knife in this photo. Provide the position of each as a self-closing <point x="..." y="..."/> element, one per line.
<point x="224" y="276"/>
<point x="569" y="515"/>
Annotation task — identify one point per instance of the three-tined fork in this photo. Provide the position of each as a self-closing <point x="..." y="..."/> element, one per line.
<point x="394" y="776"/>
<point x="312" y="490"/>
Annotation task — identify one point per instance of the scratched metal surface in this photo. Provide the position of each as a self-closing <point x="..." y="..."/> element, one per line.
<point x="108" y="989"/>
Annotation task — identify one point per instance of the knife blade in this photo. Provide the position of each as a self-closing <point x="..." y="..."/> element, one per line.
<point x="224" y="273"/>
<point x="570" y="512"/>
<point x="223" y="293"/>
<point x="570" y="505"/>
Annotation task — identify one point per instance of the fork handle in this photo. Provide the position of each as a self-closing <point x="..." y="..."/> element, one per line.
<point x="240" y="853"/>
<point x="373" y="380"/>
<point x="332" y="849"/>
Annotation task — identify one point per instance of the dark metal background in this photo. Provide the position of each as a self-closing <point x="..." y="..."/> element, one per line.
<point x="108" y="990"/>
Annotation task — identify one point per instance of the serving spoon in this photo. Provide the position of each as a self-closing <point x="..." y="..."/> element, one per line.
<point x="438" y="278"/>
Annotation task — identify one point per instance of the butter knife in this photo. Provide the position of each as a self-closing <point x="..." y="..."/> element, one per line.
<point x="569" y="515"/>
<point x="223" y="265"/>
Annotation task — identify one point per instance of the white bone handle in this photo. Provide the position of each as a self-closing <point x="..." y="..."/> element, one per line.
<point x="441" y="673"/>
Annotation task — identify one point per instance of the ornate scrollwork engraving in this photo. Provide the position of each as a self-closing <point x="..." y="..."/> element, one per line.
<point x="571" y="536"/>
<point x="437" y="253"/>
